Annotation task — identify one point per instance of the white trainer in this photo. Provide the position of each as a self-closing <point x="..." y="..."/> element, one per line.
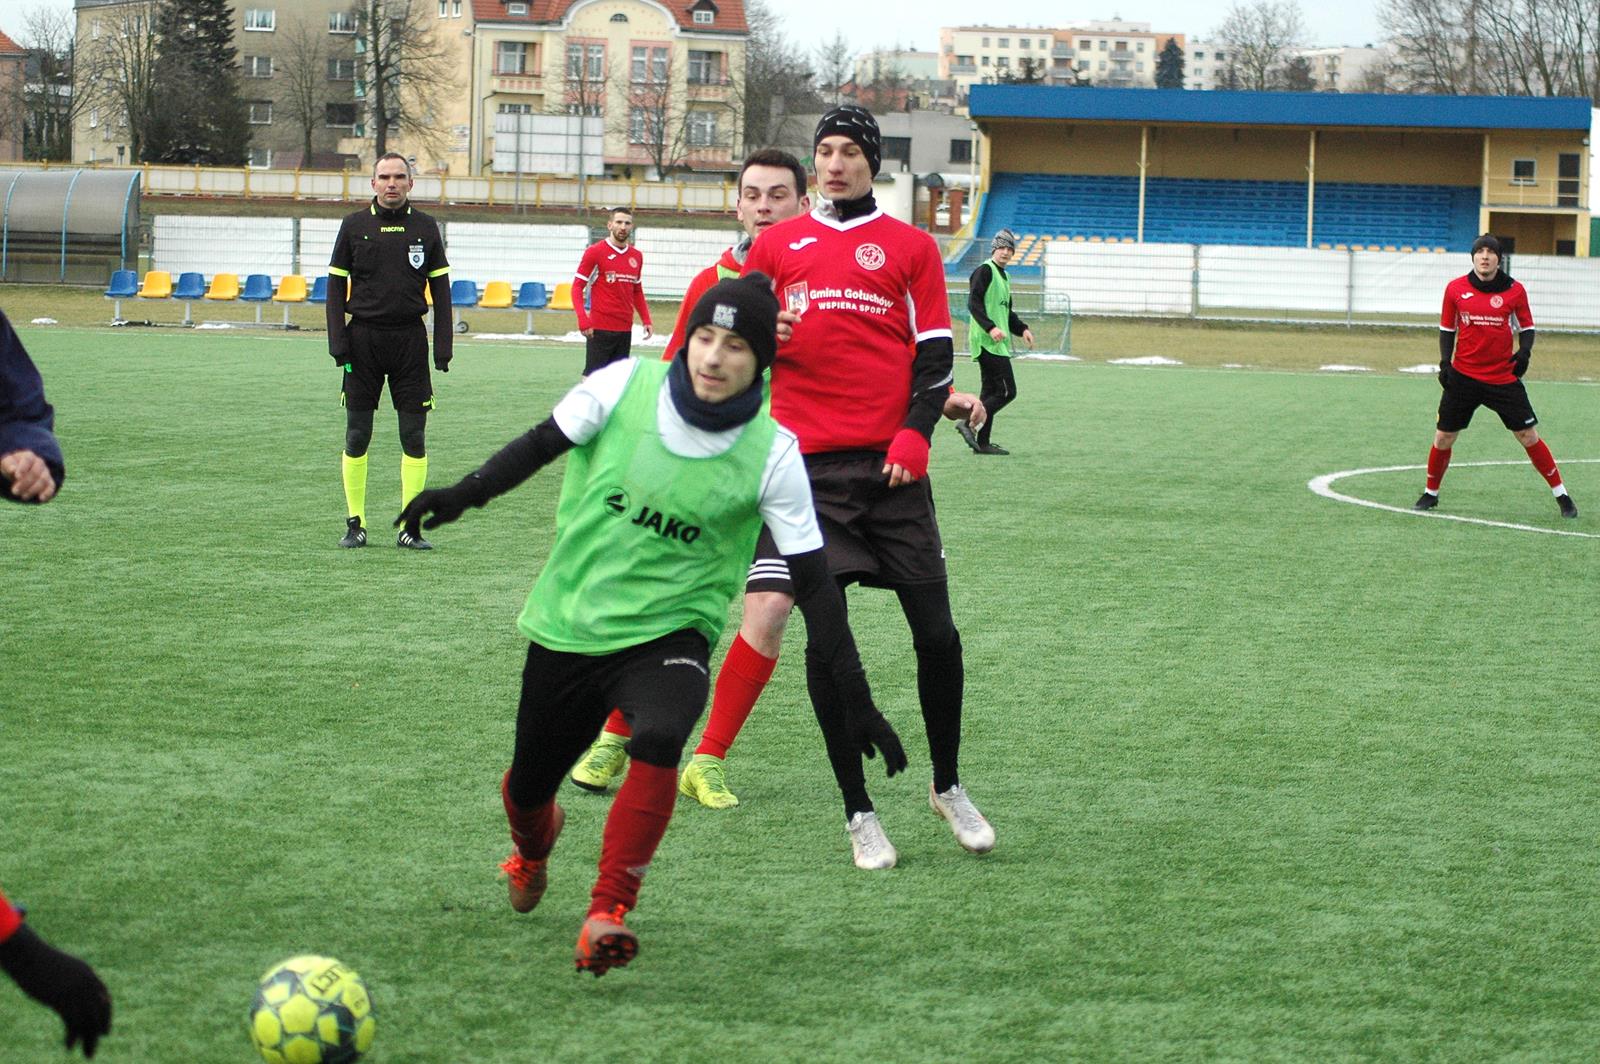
<point x="972" y="831"/>
<point x="873" y="850"/>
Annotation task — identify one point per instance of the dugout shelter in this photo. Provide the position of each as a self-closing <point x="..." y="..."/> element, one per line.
<point x="68" y="226"/>
<point x="1280" y="169"/>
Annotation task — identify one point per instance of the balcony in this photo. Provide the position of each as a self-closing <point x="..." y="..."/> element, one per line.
<point x="711" y="88"/>
<point x="957" y="69"/>
<point x="1063" y="51"/>
<point x="517" y="83"/>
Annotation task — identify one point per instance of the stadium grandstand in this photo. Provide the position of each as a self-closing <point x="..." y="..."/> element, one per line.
<point x="1278" y="169"/>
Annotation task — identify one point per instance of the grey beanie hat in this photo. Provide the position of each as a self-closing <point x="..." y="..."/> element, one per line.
<point x="1005" y="238"/>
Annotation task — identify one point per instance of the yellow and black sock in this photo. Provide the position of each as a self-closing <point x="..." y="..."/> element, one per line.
<point x="355" y="487"/>
<point x="413" y="478"/>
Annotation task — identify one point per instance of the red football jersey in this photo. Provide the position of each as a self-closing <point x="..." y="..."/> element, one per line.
<point x="727" y="266"/>
<point x="615" y="276"/>
<point x="867" y="291"/>
<point x="1486" y="326"/>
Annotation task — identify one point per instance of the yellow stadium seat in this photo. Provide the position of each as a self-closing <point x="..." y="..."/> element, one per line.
<point x="427" y="294"/>
<point x="562" y="300"/>
<point x="1405" y="247"/>
<point x="224" y="286"/>
<point x="1078" y="239"/>
<point x="496" y="295"/>
<point x="157" y="285"/>
<point x="1324" y="247"/>
<point x="292" y="289"/>
<point x="1094" y="240"/>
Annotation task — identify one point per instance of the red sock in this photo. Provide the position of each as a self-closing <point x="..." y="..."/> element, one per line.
<point x="1545" y="463"/>
<point x="616" y="725"/>
<point x="1438" y="461"/>
<point x="638" y="819"/>
<point x="740" y="681"/>
<point x="530" y="828"/>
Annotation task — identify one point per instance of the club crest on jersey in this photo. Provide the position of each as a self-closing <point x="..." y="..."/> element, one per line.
<point x="1496" y="302"/>
<point x="870" y="257"/>
<point x="414" y="256"/>
<point x="615" y="501"/>
<point x="723" y="316"/>
<point x="795" y="298"/>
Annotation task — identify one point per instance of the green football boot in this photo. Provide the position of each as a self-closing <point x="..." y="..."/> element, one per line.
<point x="705" y="781"/>
<point x="602" y="764"/>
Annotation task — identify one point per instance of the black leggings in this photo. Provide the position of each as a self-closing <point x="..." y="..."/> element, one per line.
<point x="413" y="432"/>
<point x="999" y="388"/>
<point x="941" y="680"/>
<point x="660" y="686"/>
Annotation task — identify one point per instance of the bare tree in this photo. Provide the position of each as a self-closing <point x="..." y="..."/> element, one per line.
<point x="114" y="71"/>
<point x="1260" y="36"/>
<point x="302" y="92"/>
<point x="1435" y="43"/>
<point x="657" y="116"/>
<point x="886" y="86"/>
<point x="1519" y="48"/>
<point x="776" y="85"/>
<point x="45" y="107"/>
<point x="834" y="67"/>
<point x="410" y="71"/>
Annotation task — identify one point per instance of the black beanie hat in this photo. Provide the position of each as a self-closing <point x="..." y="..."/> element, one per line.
<point x="1487" y="240"/>
<point x="857" y="123"/>
<point x="744" y="305"/>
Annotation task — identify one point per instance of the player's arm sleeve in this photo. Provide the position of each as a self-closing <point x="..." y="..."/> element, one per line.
<point x="10" y="919"/>
<point x="443" y="318"/>
<point x="580" y="283"/>
<point x="338" y="284"/>
<point x="641" y="304"/>
<point x="932" y="370"/>
<point x="977" y="293"/>
<point x="520" y="459"/>
<point x="762" y="259"/>
<point x="27" y="421"/>
<point x="698" y="287"/>
<point x="1525" y="343"/>
<point x="436" y="263"/>
<point x="1018" y="326"/>
<point x="1447" y="345"/>
<point x="828" y="636"/>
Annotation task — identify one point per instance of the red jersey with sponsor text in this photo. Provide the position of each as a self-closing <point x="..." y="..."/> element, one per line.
<point x="1486" y="326"/>
<point x="614" y="279"/>
<point x="867" y="291"/>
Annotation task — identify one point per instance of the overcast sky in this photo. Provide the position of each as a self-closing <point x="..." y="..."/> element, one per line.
<point x="868" y="25"/>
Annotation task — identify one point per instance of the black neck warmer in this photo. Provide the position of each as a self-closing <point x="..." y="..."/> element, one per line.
<point x="710" y="417"/>
<point x="388" y="214"/>
<point x="855" y="208"/>
<point x="1498" y="283"/>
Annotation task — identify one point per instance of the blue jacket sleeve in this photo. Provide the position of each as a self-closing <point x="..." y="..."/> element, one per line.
<point x="27" y="421"/>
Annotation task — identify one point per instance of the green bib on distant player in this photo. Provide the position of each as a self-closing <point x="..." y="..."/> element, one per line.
<point x="997" y="305"/>
<point x="647" y="542"/>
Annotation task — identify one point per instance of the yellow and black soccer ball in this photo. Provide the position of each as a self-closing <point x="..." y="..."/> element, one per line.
<point x="312" y="1010"/>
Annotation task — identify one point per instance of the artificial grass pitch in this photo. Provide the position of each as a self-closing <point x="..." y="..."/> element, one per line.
<point x="1274" y="777"/>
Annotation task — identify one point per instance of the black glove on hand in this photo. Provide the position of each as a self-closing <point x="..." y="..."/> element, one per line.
<point x="1444" y="374"/>
<point x="875" y="731"/>
<point x="1519" y="363"/>
<point x="442" y="505"/>
<point x="442" y="364"/>
<point x="62" y="982"/>
<point x="338" y="359"/>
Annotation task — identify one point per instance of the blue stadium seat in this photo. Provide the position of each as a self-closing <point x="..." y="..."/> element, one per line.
<point x="319" y="290"/>
<point x="531" y="297"/>
<point x="257" y="290"/>
<point x="464" y="293"/>
<point x="190" y="287"/>
<point x="124" y="285"/>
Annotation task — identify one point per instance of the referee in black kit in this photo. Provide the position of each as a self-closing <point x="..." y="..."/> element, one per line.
<point x="392" y="255"/>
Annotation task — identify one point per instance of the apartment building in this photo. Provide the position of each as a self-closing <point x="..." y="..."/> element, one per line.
<point x="976" y="55"/>
<point x="1341" y="69"/>
<point x="1112" y="53"/>
<point x="1205" y="64"/>
<point x="1115" y="54"/>
<point x="13" y="75"/>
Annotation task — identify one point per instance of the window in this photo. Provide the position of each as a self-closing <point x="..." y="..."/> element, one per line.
<point x="1524" y="172"/>
<point x="1139" y="67"/>
<point x="94" y="30"/>
<point x="1004" y="42"/>
<point x="455" y="8"/>
<point x="511" y="57"/>
<point x="1102" y="65"/>
<point x="983" y="60"/>
<point x="574" y="62"/>
<point x="1002" y="61"/>
<point x="1139" y="47"/>
<point x="444" y="8"/>
<point x="897" y="149"/>
<point x="261" y="112"/>
<point x="639" y="126"/>
<point x="590" y="109"/>
<point x="1026" y="42"/>
<point x="94" y="117"/>
<point x="705" y="68"/>
<point x="260" y="158"/>
<point x="702" y="128"/>
<point x="258" y="66"/>
<point x="263" y="19"/>
<point x="1199" y="54"/>
<point x="618" y="17"/>
<point x="341" y="70"/>
<point x="340" y="114"/>
<point x="961" y="151"/>
<point x="516" y="109"/>
<point x="705" y="17"/>
<point x="1083" y="64"/>
<point x="597" y="62"/>
<point x="1221" y="57"/>
<point x="649" y="64"/>
<point x="341" y="22"/>
<point x="986" y="42"/>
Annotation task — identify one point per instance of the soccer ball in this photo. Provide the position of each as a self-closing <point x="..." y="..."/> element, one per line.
<point x="312" y="1010"/>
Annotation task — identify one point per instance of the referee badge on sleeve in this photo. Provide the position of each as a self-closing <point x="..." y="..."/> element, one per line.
<point x="415" y="256"/>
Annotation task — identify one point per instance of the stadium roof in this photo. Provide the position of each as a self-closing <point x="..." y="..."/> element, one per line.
<point x="1319" y="109"/>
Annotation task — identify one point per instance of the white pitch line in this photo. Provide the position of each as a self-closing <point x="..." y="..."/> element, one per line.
<point x="1323" y="486"/>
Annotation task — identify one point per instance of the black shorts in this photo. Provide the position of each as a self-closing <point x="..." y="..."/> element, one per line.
<point x="660" y="686"/>
<point x="399" y="354"/>
<point x="605" y="347"/>
<point x="873" y="534"/>
<point x="1464" y="394"/>
<point x="769" y="572"/>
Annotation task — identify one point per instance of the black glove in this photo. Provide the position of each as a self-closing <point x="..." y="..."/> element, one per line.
<point x="1519" y="363"/>
<point x="442" y="505"/>
<point x="874" y="733"/>
<point x="1444" y="374"/>
<point x="338" y="359"/>
<point x="62" y="982"/>
<point x="442" y="364"/>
